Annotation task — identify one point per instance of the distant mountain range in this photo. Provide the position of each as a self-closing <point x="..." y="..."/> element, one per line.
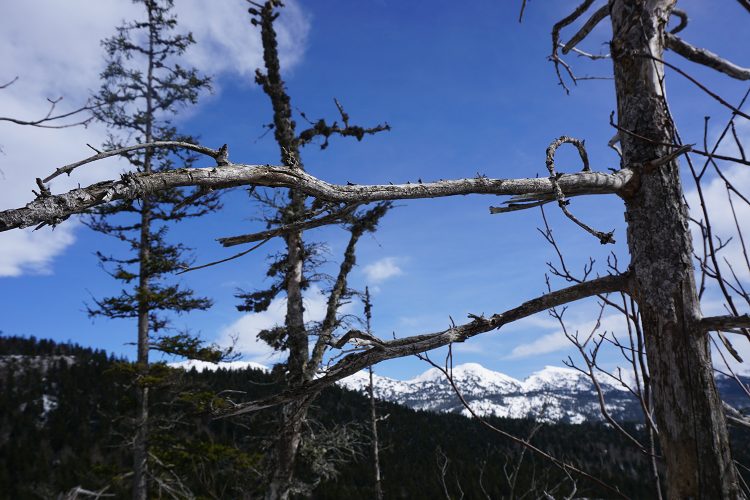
<point x="553" y="394"/>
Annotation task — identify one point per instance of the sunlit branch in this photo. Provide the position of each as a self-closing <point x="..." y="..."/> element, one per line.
<point x="52" y="209"/>
<point x="705" y="57"/>
<point x="218" y="155"/>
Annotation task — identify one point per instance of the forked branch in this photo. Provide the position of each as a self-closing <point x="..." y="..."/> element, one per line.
<point x="51" y="120"/>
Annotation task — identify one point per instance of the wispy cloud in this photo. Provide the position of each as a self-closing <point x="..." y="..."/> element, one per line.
<point x="245" y="329"/>
<point x="228" y="44"/>
<point x="381" y="270"/>
<point x="556" y="341"/>
<point x="54" y="49"/>
<point x="28" y="251"/>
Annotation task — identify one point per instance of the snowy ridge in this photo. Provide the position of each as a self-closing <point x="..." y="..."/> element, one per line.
<point x="553" y="394"/>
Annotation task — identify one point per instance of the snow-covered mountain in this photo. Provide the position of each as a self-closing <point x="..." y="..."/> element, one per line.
<point x="553" y="394"/>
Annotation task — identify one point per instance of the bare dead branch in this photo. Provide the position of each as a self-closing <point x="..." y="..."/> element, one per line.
<point x="705" y="57"/>
<point x="397" y="348"/>
<point x="728" y="323"/>
<point x="54" y="209"/>
<point x="705" y="89"/>
<point x="8" y="84"/>
<point x="604" y="238"/>
<point x="220" y="155"/>
<point x="523" y="8"/>
<point x="48" y="120"/>
<point x="221" y="261"/>
<point x="593" y="57"/>
<point x="587" y="27"/>
<point x="554" y="57"/>
<point x="683" y="17"/>
<point x="735" y="416"/>
<point x="745" y="3"/>
<point x="331" y="218"/>
<point x="709" y="155"/>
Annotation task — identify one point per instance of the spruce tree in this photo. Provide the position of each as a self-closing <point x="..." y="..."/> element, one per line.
<point x="143" y="87"/>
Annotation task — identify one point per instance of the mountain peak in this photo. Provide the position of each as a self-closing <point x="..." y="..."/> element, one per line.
<point x="551" y="394"/>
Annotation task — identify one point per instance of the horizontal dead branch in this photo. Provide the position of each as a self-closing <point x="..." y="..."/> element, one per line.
<point x="218" y="155"/>
<point x="390" y="349"/>
<point x="735" y="416"/>
<point x="52" y="120"/>
<point x="726" y="323"/>
<point x="705" y="57"/>
<point x="52" y="209"/>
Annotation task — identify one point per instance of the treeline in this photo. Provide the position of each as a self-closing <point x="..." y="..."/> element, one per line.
<point x="63" y="423"/>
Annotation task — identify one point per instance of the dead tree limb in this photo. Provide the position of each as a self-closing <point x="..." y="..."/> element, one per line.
<point x="705" y="57"/>
<point x="587" y="27"/>
<point x="55" y="208"/>
<point x="390" y="349"/>
<point x="331" y="218"/>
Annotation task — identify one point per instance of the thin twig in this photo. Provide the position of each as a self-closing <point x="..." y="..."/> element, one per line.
<point x="236" y="256"/>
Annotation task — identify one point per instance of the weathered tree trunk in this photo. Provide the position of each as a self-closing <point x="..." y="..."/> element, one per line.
<point x="285" y="451"/>
<point x="375" y="441"/>
<point x="140" y="440"/>
<point x="692" y="427"/>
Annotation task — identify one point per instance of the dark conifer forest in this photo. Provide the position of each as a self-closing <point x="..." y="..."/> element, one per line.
<point x="63" y="424"/>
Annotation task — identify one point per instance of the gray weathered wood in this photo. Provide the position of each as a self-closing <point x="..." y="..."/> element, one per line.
<point x="692" y="428"/>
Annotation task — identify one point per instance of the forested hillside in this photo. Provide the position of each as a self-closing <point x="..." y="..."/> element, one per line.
<point x="64" y="410"/>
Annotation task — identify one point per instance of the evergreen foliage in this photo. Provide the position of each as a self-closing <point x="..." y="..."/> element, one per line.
<point x="143" y="87"/>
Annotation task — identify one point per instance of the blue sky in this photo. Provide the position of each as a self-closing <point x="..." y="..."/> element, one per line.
<point x="467" y="90"/>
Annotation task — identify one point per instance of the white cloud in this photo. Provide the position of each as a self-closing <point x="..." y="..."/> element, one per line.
<point x="720" y="213"/>
<point x="227" y="43"/>
<point x="381" y="270"/>
<point x="30" y="251"/>
<point x="247" y="327"/>
<point x="545" y="344"/>
<point x="556" y="340"/>
<point x="54" y="48"/>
